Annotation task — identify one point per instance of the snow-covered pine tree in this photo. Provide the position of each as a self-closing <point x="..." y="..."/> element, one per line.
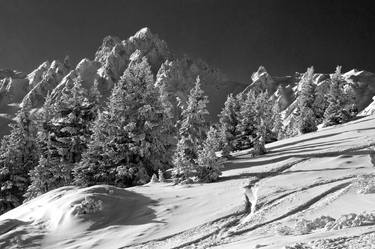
<point x="321" y="102"/>
<point x="246" y="124"/>
<point x="43" y="176"/>
<point x="336" y="112"/>
<point x="128" y="142"/>
<point x="18" y="155"/>
<point x="350" y="107"/>
<point x="191" y="133"/>
<point x="184" y="168"/>
<point x="94" y="167"/>
<point x="255" y="121"/>
<point x="63" y="138"/>
<point x="194" y="125"/>
<point x="228" y="120"/>
<point x="75" y="115"/>
<point x="260" y="140"/>
<point x="168" y="126"/>
<point x="277" y="127"/>
<point x="263" y="108"/>
<point x="209" y="165"/>
<point x="306" y="120"/>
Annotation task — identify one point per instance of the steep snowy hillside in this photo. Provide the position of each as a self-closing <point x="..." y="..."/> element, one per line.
<point x="299" y="180"/>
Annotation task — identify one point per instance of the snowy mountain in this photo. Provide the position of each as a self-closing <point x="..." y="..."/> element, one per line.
<point x="178" y="73"/>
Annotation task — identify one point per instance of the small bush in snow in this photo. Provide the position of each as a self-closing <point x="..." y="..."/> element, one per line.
<point x="353" y="220"/>
<point x="88" y="206"/>
<point x="365" y="184"/>
<point x="298" y="246"/>
<point x="284" y="230"/>
<point x="304" y="227"/>
<point x="328" y="223"/>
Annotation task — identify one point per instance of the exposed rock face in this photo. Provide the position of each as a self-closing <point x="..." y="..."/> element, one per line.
<point x="178" y="77"/>
<point x="86" y="72"/>
<point x="115" y="55"/>
<point x="44" y="80"/>
<point x="363" y="83"/>
<point x="13" y="87"/>
<point x="177" y="74"/>
<point x="369" y="110"/>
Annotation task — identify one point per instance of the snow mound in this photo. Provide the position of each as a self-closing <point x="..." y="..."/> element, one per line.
<point x="70" y="212"/>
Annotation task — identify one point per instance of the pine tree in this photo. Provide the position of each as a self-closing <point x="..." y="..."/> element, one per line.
<point x="191" y="133"/>
<point x="263" y="109"/>
<point x="43" y="176"/>
<point x="277" y="127"/>
<point x="18" y="156"/>
<point x="338" y="110"/>
<point x="184" y="167"/>
<point x="193" y="126"/>
<point x="128" y="142"/>
<point x="209" y="165"/>
<point x="255" y="121"/>
<point x="168" y="126"/>
<point x="247" y="120"/>
<point x="228" y="120"/>
<point x="305" y="114"/>
<point x="65" y="132"/>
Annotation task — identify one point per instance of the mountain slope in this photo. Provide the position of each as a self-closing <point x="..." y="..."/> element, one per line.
<point x="300" y="178"/>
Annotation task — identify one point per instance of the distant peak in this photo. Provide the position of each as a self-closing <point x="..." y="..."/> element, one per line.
<point x="111" y="41"/>
<point x="143" y="33"/>
<point x="9" y="73"/>
<point x="261" y="70"/>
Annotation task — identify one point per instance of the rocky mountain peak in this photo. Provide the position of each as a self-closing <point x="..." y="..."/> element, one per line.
<point x="143" y="34"/>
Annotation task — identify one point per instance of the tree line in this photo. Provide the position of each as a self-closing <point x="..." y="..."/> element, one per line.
<point x="138" y="133"/>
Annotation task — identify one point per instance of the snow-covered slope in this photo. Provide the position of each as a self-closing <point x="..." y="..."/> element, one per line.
<point x="304" y="177"/>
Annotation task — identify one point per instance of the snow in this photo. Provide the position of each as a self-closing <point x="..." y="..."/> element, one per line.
<point x="302" y="177"/>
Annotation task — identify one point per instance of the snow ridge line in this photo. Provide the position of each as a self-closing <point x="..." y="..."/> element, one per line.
<point x="298" y="209"/>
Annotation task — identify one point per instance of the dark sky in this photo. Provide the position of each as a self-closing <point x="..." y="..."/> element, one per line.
<point x="236" y="36"/>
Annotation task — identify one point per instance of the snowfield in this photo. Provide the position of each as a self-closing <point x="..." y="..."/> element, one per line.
<point x="304" y="177"/>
